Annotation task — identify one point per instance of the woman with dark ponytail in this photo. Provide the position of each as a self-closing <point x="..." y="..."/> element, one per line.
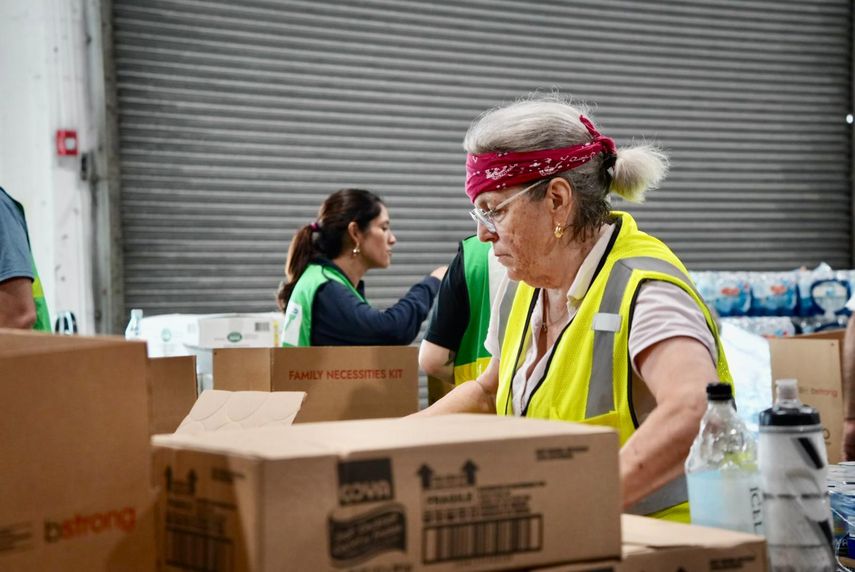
<point x="323" y="296"/>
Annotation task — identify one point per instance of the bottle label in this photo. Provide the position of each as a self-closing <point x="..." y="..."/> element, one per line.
<point x="726" y="499"/>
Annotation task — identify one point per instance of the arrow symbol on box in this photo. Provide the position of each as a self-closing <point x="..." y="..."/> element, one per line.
<point x="191" y="482"/>
<point x="469" y="469"/>
<point x="426" y="474"/>
<point x="168" y="475"/>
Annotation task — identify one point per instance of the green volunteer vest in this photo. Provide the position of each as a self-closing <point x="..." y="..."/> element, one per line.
<point x="297" y="330"/>
<point x="42" y="315"/>
<point x="589" y="375"/>
<point x="472" y="357"/>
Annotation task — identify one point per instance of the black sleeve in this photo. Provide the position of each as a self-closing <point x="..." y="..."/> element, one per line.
<point x="450" y="315"/>
<point x="340" y="318"/>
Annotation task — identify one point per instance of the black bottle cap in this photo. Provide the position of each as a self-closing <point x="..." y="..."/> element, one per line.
<point x="719" y="391"/>
<point x="778" y="416"/>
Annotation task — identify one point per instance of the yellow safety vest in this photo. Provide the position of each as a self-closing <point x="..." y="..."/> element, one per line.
<point x="588" y="378"/>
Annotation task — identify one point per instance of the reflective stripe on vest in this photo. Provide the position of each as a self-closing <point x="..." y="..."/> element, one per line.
<point x="601" y="388"/>
<point x="607" y="322"/>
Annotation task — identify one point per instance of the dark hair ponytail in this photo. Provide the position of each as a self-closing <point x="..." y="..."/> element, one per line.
<point x="325" y="237"/>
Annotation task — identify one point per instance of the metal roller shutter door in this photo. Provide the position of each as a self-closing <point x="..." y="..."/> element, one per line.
<point x="236" y="119"/>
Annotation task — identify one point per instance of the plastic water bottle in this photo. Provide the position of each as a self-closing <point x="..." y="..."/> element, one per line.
<point x="793" y="465"/>
<point x="721" y="470"/>
<point x="132" y="332"/>
<point x="66" y="323"/>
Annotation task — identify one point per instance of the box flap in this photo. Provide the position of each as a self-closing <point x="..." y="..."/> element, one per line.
<point x="642" y="534"/>
<point x="20" y="342"/>
<point x="172" y="391"/>
<point x="217" y="410"/>
<point x="345" y="437"/>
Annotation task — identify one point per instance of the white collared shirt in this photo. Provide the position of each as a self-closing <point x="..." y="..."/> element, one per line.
<point x="662" y="310"/>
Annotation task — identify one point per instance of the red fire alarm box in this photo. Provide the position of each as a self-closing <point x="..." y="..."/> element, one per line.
<point x="66" y="142"/>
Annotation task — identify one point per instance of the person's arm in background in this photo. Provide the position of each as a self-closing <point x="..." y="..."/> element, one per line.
<point x="475" y="396"/>
<point x="849" y="392"/>
<point x="448" y="323"/>
<point x="17" y="308"/>
<point x="437" y="361"/>
<point x="339" y="318"/>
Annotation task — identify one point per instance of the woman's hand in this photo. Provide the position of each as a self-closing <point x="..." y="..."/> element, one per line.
<point x="439" y="271"/>
<point x="476" y="396"/>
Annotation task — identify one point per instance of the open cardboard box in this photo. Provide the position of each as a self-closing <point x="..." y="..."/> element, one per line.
<point x="815" y="360"/>
<point x="355" y="382"/>
<point x="652" y="545"/>
<point x="473" y="492"/>
<point x="172" y="387"/>
<point x="75" y="461"/>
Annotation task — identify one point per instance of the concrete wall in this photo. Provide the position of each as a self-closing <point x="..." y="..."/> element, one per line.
<point x="44" y="86"/>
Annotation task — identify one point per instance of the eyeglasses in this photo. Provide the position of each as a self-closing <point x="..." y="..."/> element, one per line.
<point x="487" y="217"/>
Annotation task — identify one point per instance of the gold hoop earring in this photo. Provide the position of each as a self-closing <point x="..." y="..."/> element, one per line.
<point x="356" y="250"/>
<point x="559" y="231"/>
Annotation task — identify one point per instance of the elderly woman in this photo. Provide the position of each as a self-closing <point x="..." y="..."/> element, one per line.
<point x="606" y="326"/>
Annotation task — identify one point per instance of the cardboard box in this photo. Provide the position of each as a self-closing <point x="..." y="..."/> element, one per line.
<point x="473" y="492"/>
<point x="172" y="334"/>
<point x="166" y="334"/>
<point x="815" y="360"/>
<point x="353" y="382"/>
<point x="652" y="545"/>
<point x="75" y="463"/>
<point x="172" y="386"/>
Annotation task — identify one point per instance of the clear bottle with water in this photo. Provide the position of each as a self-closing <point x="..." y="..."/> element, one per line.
<point x="793" y="466"/>
<point x="721" y="470"/>
<point x="133" y="331"/>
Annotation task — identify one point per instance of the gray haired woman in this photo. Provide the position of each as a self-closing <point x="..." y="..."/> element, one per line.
<point x="606" y="326"/>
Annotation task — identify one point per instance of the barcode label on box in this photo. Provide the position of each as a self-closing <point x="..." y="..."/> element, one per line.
<point x="199" y="552"/>
<point x="262" y="326"/>
<point x="480" y="539"/>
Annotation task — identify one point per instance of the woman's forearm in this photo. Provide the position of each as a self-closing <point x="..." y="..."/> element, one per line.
<point x="656" y="452"/>
<point x="468" y="397"/>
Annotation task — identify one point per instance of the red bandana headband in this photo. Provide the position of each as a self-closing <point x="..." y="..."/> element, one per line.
<point x="497" y="171"/>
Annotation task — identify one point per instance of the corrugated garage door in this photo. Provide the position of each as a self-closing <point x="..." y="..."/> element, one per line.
<point x="237" y="118"/>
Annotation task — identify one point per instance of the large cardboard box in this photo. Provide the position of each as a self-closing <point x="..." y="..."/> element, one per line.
<point x="355" y="382"/>
<point x="816" y="361"/>
<point x="473" y="492"/>
<point x="651" y="545"/>
<point x="172" y="386"/>
<point x="75" y="465"/>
